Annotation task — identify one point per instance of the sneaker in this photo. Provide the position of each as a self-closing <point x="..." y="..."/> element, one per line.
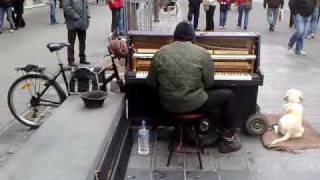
<point x="11" y="30"/>
<point x="230" y="142"/>
<point x="270" y="28"/>
<point x="290" y="48"/>
<point x="245" y="28"/>
<point x="220" y="27"/>
<point x="301" y="53"/>
<point x="239" y="26"/>
<point x="224" y="27"/>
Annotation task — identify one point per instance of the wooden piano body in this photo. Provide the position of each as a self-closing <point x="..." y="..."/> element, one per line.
<point x="236" y="57"/>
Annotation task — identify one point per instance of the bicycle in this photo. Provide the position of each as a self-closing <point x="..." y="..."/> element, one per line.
<point x="35" y="92"/>
<point x="171" y="7"/>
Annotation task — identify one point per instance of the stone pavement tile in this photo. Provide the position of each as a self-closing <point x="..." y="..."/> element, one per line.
<point x="11" y="136"/>
<point x="177" y="161"/>
<point x="272" y="175"/>
<point x="261" y="164"/>
<point x="139" y="162"/>
<point x="138" y="174"/>
<point x="167" y="175"/>
<point x="296" y="164"/>
<point x="3" y="160"/>
<point x="232" y="163"/>
<point x="236" y="175"/>
<point x="208" y="162"/>
<point x="202" y="175"/>
<point x="257" y="150"/>
<point x="303" y="175"/>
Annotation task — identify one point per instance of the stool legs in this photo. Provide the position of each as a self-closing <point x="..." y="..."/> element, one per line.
<point x="178" y="133"/>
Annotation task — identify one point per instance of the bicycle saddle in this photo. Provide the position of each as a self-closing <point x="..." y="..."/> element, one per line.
<point x="56" y="46"/>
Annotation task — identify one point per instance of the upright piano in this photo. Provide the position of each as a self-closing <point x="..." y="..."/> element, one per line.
<point x="236" y="60"/>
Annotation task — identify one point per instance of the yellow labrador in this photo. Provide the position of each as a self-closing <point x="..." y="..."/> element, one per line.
<point x="290" y="124"/>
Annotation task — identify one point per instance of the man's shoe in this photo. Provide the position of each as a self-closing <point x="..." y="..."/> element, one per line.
<point x="270" y="28"/>
<point x="245" y="28"/>
<point x="84" y="62"/>
<point x="290" y="48"/>
<point x="230" y="142"/>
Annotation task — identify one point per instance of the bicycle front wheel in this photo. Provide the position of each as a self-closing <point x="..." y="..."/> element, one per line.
<point x="31" y="97"/>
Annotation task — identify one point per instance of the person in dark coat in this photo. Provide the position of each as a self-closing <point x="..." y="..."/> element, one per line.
<point x="18" y="13"/>
<point x="301" y="14"/>
<point x="6" y="7"/>
<point x="273" y="11"/>
<point x="194" y="7"/>
<point x="76" y="14"/>
<point x="183" y="75"/>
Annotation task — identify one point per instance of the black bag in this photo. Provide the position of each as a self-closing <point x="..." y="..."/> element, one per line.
<point x="83" y="79"/>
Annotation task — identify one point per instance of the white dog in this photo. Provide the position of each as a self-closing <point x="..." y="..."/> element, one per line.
<point x="290" y="124"/>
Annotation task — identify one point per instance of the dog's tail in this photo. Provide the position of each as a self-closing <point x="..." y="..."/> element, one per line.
<point x="282" y="139"/>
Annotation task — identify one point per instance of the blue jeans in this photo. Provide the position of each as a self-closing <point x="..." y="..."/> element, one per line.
<point x="53" y="4"/>
<point x="301" y="28"/>
<point x="241" y="10"/>
<point x="121" y="22"/>
<point x="223" y="17"/>
<point x="7" y="10"/>
<point x="314" y="21"/>
<point x="272" y="16"/>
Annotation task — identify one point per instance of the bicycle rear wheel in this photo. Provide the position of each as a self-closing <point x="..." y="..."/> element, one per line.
<point x="27" y="104"/>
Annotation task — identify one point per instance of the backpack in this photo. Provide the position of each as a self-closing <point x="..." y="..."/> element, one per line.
<point x="83" y="79"/>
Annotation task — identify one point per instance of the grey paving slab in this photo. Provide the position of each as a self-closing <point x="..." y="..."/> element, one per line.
<point x="296" y="163"/>
<point x="167" y="175"/>
<point x="262" y="164"/>
<point x="140" y="162"/>
<point x="272" y="175"/>
<point x="208" y="162"/>
<point x="232" y="163"/>
<point x="236" y="175"/>
<point x="202" y="175"/>
<point x="177" y="161"/>
<point x="138" y="174"/>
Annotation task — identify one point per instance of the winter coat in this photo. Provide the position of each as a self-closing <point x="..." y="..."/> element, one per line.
<point x="76" y="14"/>
<point x="5" y="3"/>
<point x="115" y="4"/>
<point x="181" y="72"/>
<point x="195" y="2"/>
<point x="303" y="7"/>
<point x="243" y="2"/>
<point x="273" y="3"/>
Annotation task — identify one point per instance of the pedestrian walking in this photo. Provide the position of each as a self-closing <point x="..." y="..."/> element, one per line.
<point x="273" y="11"/>
<point x="6" y="7"/>
<point x="225" y="5"/>
<point x="314" y="20"/>
<point x="301" y="11"/>
<point x="76" y="15"/>
<point x="209" y="7"/>
<point x="53" y="19"/>
<point x="115" y="7"/>
<point x="194" y="7"/>
<point x="18" y="13"/>
<point x="244" y="6"/>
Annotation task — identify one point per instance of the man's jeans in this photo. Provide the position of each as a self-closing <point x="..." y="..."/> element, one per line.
<point x="272" y="16"/>
<point x="223" y="17"/>
<point x="301" y="28"/>
<point x="121" y="22"/>
<point x="241" y="10"/>
<point x="53" y="4"/>
<point x="7" y="10"/>
<point x="314" y="21"/>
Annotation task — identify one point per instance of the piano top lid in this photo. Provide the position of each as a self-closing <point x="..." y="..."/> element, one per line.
<point x="198" y="34"/>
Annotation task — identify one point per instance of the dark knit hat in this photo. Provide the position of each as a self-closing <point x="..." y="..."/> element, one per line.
<point x="184" y="32"/>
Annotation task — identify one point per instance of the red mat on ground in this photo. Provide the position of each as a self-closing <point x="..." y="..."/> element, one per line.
<point x="310" y="139"/>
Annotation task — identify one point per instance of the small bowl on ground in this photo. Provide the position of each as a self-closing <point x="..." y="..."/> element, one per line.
<point x="93" y="99"/>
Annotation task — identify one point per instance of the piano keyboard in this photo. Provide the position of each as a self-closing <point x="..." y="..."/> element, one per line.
<point x="141" y="74"/>
<point x="232" y="76"/>
<point x="217" y="76"/>
<point x="217" y="57"/>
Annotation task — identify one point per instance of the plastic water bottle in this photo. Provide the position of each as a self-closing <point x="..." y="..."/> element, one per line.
<point x="143" y="140"/>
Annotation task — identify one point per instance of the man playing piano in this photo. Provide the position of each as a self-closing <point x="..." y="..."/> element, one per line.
<point x="183" y="73"/>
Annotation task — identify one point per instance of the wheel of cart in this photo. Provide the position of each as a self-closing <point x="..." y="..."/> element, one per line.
<point x="257" y="123"/>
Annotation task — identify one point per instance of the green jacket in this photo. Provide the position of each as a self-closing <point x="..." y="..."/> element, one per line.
<point x="181" y="72"/>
